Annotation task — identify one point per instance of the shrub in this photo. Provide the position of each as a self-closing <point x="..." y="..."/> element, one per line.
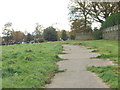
<point x="113" y="19"/>
<point x="97" y="34"/>
<point x="72" y="37"/>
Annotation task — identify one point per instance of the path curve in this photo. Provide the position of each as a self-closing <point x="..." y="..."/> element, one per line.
<point x="76" y="75"/>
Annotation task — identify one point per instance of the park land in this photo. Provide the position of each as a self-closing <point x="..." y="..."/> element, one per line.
<point x="33" y="65"/>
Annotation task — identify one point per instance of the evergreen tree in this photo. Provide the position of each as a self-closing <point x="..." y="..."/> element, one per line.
<point x="64" y="35"/>
<point x="50" y="34"/>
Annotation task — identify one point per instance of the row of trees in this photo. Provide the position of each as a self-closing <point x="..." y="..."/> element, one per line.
<point x="83" y="13"/>
<point x="10" y="36"/>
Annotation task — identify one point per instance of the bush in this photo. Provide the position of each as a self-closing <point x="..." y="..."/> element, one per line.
<point x="113" y="19"/>
<point x="97" y="34"/>
<point x="72" y="37"/>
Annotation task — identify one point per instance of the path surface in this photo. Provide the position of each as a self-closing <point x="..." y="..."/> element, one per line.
<point x="76" y="75"/>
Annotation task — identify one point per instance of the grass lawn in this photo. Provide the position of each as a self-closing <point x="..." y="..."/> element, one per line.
<point x="108" y="50"/>
<point x="107" y="73"/>
<point x="33" y="65"/>
<point x="29" y="65"/>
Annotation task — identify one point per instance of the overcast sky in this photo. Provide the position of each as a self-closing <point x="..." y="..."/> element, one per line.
<point x="25" y="13"/>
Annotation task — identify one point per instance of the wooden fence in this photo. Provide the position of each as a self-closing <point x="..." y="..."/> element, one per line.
<point x="111" y="33"/>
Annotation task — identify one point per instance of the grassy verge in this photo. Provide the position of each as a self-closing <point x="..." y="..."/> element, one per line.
<point x="107" y="73"/>
<point x="108" y="50"/>
<point x="29" y="65"/>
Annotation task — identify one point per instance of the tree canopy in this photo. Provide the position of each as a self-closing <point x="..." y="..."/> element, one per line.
<point x="18" y="36"/>
<point x="113" y="19"/>
<point x="50" y="34"/>
<point x="83" y="13"/>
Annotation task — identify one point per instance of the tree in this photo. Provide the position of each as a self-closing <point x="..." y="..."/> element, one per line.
<point x="59" y="34"/>
<point x="101" y="10"/>
<point x="29" y="37"/>
<point x="50" y="34"/>
<point x="80" y="11"/>
<point x="18" y="36"/>
<point x="78" y="26"/>
<point x="97" y="11"/>
<point x="7" y="32"/>
<point x="64" y="35"/>
<point x="38" y="33"/>
<point x="113" y="19"/>
<point x="79" y="16"/>
<point x="83" y="13"/>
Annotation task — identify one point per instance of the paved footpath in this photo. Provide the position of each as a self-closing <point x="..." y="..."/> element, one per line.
<point x="76" y="75"/>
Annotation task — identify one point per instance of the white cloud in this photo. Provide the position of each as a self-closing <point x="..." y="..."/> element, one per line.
<point x="25" y="13"/>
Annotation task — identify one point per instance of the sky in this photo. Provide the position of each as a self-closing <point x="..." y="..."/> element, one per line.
<point x="24" y="14"/>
